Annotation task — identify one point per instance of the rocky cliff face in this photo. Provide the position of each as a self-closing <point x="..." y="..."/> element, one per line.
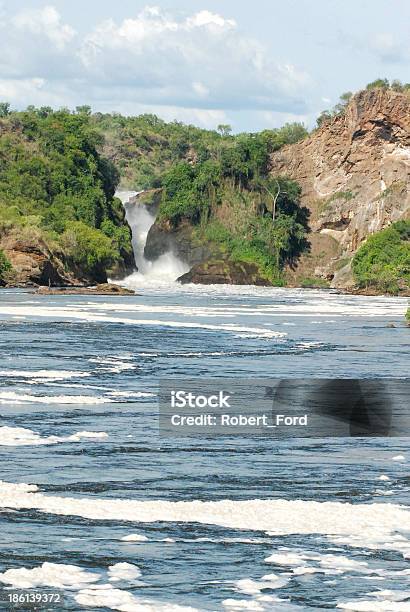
<point x="354" y="172"/>
<point x="355" y="176"/>
<point x="34" y="264"/>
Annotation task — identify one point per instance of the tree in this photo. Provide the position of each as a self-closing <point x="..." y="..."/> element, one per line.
<point x="224" y="129"/>
<point x="83" y="110"/>
<point x="4" y="109"/>
<point x="323" y="118"/>
<point x="5" y="267"/>
<point x="89" y="249"/>
<point x="383" y="261"/>
<point x="343" y="102"/>
<point x="378" y="84"/>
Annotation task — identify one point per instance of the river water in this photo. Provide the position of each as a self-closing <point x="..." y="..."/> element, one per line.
<point x="96" y="506"/>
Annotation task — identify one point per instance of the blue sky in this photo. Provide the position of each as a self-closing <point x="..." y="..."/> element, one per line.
<point x="253" y="64"/>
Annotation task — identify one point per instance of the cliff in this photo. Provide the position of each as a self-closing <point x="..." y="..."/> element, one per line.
<point x="355" y="175"/>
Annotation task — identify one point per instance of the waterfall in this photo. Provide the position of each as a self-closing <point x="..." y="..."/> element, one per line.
<point x="167" y="268"/>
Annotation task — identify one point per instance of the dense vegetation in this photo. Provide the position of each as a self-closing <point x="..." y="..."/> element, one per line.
<point x="143" y="148"/>
<point x="216" y="181"/>
<point x="233" y="203"/>
<point x="57" y="190"/>
<point x="59" y="171"/>
<point x="383" y="261"/>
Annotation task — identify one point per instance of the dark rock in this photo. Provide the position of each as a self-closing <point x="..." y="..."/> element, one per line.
<point x="215" y="272"/>
<point x="102" y="289"/>
<point x="182" y="241"/>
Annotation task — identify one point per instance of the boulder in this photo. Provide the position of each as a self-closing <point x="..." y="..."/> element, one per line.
<point x="215" y="272"/>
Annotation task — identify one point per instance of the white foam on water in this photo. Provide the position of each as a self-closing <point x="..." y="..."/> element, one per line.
<point x="43" y="375"/>
<point x="248" y="586"/>
<point x="230" y="540"/>
<point x="116" y="599"/>
<point x="112" y="364"/>
<point x="163" y="271"/>
<point x="309" y="562"/>
<point x="260" y="603"/>
<point x="19" y="436"/>
<point x="385" y="605"/>
<point x="98" y="435"/>
<point x="290" y="308"/>
<point x="400" y="458"/>
<point x="288" y="559"/>
<point x="134" y="537"/>
<point x="131" y="394"/>
<point x="234" y="605"/>
<point x="276" y="516"/>
<point x="383" y="477"/>
<point x="376" y="541"/>
<point x="342" y="563"/>
<point x="123" y="571"/>
<point x="55" y="575"/>
<point x="71" y="577"/>
<point x="68" y="314"/>
<point x="11" y="397"/>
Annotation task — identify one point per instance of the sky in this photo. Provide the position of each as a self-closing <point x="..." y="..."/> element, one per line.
<point x="253" y="65"/>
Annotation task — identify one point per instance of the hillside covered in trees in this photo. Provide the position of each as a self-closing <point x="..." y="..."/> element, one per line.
<point x="59" y="220"/>
<point x="60" y="169"/>
<point x="233" y="202"/>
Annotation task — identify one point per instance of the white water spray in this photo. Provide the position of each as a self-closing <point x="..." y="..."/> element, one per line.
<point x="167" y="268"/>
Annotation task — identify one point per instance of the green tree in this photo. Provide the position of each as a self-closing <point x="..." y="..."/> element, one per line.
<point x="4" y="109"/>
<point x="378" y="84"/>
<point x="383" y="261"/>
<point x="5" y="267"/>
<point x="89" y="249"/>
<point x="224" y="129"/>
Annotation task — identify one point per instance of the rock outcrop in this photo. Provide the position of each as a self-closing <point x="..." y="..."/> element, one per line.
<point x="163" y="237"/>
<point x="215" y="272"/>
<point x="355" y="175"/>
<point x="34" y="264"/>
<point x="102" y="289"/>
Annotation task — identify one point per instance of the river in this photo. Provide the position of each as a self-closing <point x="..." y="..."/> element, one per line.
<point x="96" y="506"/>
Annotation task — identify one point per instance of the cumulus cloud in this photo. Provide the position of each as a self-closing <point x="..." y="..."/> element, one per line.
<point x="201" y="64"/>
<point x="44" y="22"/>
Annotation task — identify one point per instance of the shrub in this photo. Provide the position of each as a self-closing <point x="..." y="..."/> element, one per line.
<point x="5" y="267"/>
<point x="89" y="249"/>
<point x="383" y="261"/>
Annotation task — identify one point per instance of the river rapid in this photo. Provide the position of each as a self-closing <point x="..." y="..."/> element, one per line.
<point x="96" y="506"/>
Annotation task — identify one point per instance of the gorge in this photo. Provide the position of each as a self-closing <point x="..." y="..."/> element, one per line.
<point x="280" y="207"/>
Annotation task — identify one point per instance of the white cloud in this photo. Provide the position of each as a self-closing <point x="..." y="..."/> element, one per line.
<point x="44" y="22"/>
<point x="202" y="64"/>
<point x="162" y="57"/>
<point x="10" y="89"/>
<point x="206" y="18"/>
